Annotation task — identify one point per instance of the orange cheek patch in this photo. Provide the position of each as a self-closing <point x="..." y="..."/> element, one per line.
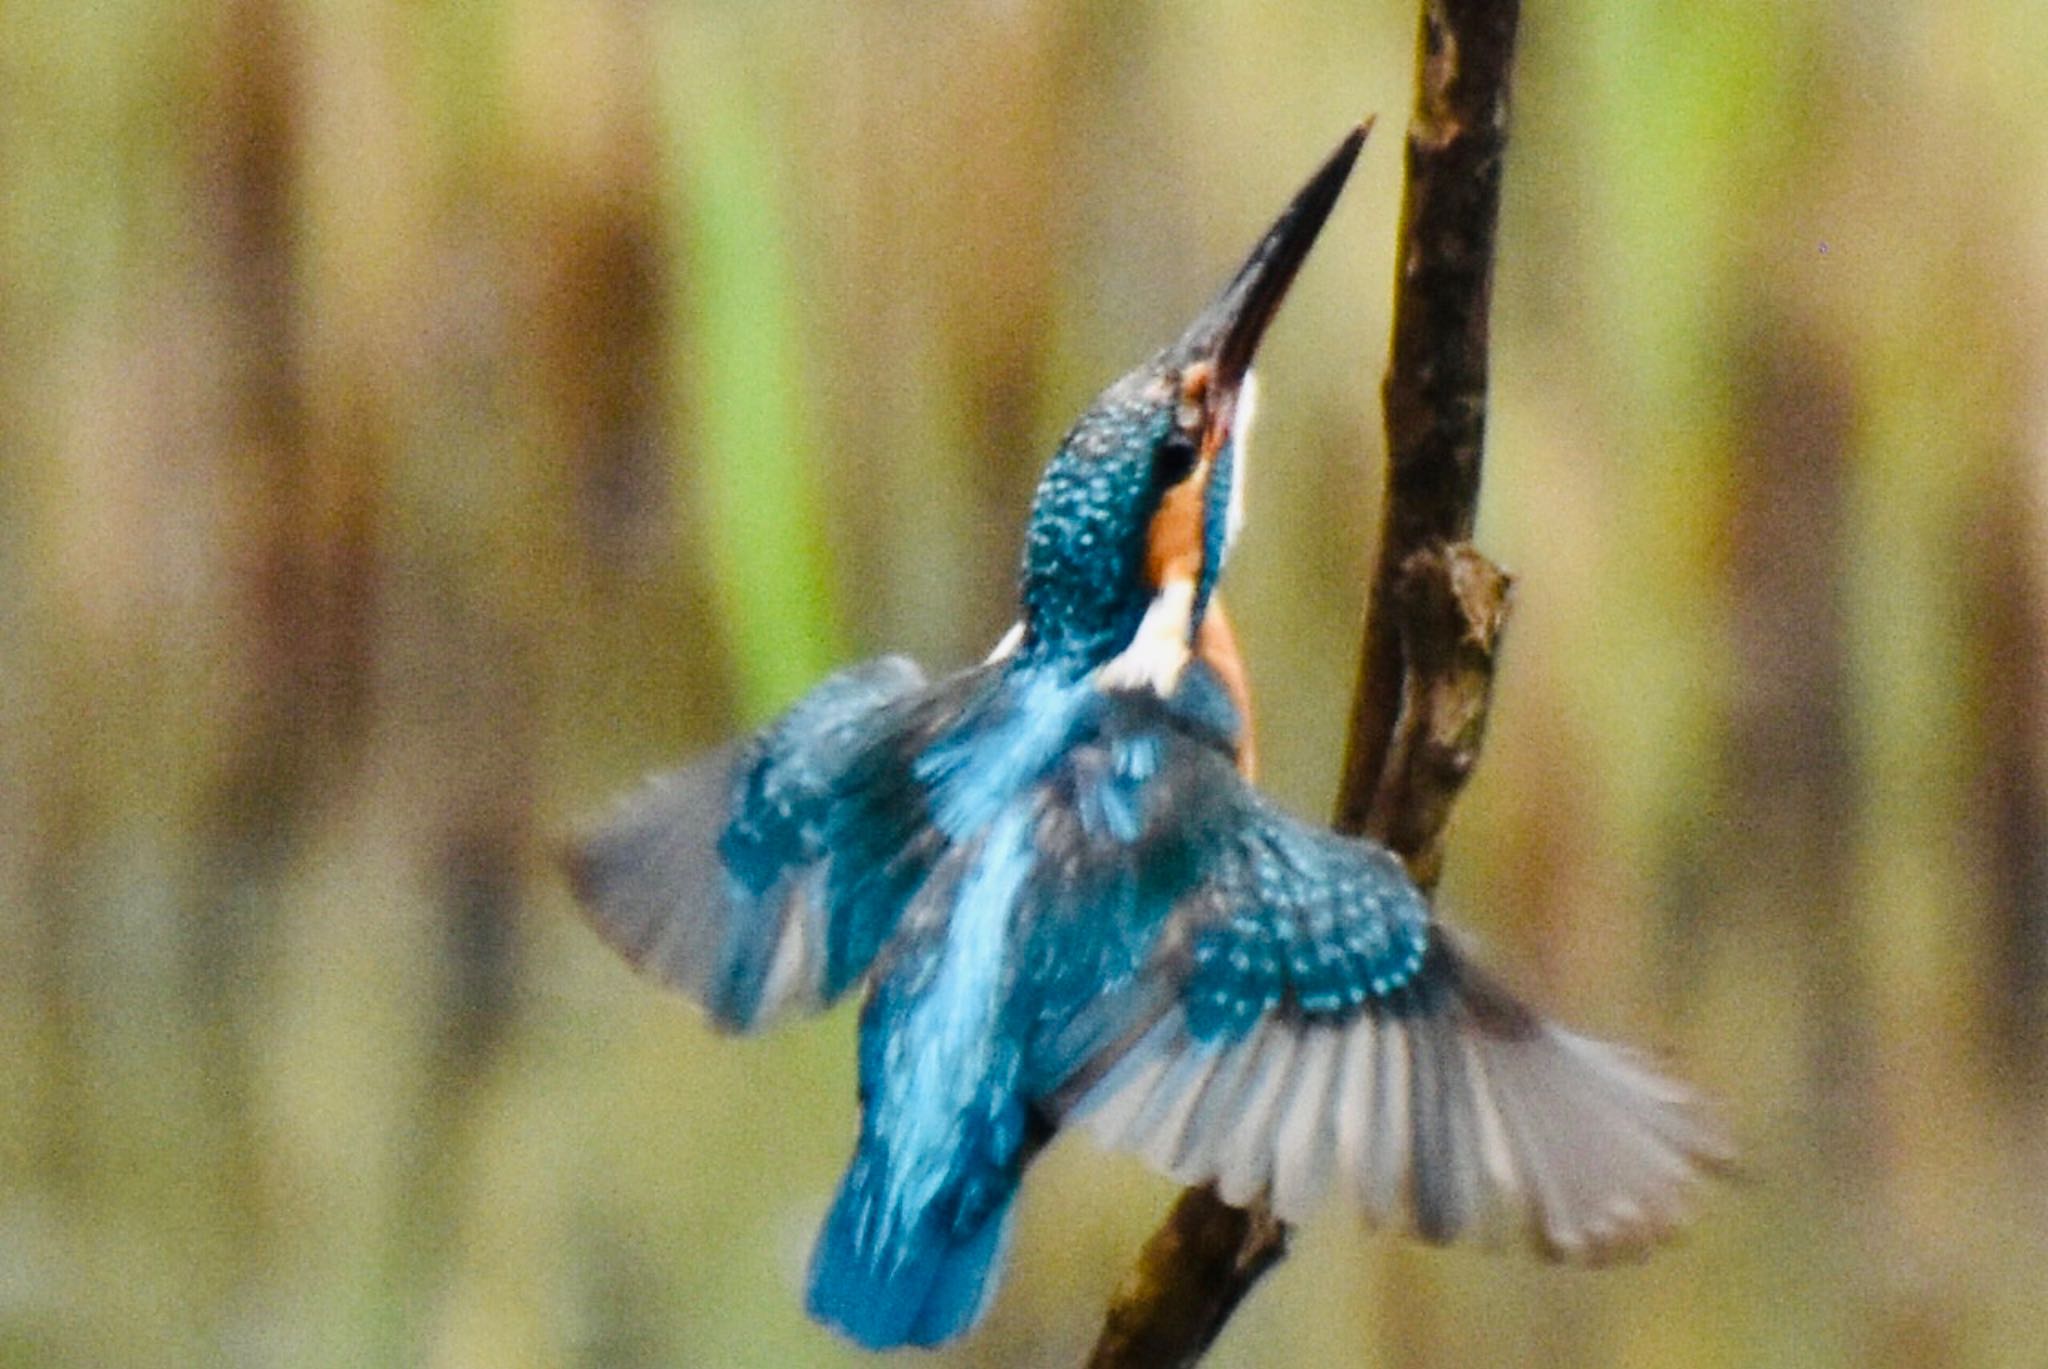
<point x="1174" y="540"/>
<point x="1173" y="545"/>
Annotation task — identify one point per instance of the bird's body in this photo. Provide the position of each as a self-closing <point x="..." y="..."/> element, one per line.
<point x="1068" y="903"/>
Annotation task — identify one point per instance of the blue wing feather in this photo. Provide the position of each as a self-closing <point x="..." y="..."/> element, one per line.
<point x="1276" y="1013"/>
<point x="1164" y="877"/>
<point x="714" y="877"/>
<point x="786" y="783"/>
<point x="1293" y="916"/>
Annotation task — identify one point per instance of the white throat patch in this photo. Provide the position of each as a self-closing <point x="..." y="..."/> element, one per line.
<point x="1241" y="440"/>
<point x="1160" y="650"/>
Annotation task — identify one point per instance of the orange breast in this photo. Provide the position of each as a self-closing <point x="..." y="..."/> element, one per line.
<point x="1217" y="645"/>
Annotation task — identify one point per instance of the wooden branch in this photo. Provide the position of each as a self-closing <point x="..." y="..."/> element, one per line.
<point x="1451" y="606"/>
<point x="1188" y="1279"/>
<point x="1435" y="390"/>
<point x="1436" y="612"/>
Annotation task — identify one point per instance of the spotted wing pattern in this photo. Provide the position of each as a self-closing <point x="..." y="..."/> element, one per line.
<point x="717" y="879"/>
<point x="1301" y="1028"/>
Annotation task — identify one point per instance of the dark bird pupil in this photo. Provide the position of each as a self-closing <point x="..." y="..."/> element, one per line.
<point x="1174" y="459"/>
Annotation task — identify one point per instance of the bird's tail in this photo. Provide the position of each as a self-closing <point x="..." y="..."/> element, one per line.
<point x="920" y="1281"/>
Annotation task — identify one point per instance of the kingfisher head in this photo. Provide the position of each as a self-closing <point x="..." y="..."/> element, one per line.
<point x="1135" y="515"/>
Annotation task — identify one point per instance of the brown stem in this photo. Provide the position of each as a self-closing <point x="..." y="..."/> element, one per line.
<point x="1435" y="389"/>
<point x="1189" y="1278"/>
<point x="1437" y="609"/>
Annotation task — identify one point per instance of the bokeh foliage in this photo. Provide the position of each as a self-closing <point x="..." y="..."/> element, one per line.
<point x="417" y="420"/>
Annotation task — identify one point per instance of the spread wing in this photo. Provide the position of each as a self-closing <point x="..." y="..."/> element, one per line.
<point x="718" y="878"/>
<point x="1301" y="1028"/>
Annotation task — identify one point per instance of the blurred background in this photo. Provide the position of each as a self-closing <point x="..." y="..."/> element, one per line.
<point x="417" y="420"/>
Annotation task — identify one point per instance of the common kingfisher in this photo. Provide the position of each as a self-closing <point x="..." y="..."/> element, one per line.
<point x="1065" y="902"/>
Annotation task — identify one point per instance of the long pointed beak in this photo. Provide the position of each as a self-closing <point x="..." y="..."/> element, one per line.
<point x="1228" y="331"/>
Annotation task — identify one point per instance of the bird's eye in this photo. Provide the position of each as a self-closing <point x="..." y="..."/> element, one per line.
<point x="1174" y="459"/>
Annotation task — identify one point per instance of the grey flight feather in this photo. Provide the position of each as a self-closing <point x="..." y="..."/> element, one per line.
<point x="1449" y="1111"/>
